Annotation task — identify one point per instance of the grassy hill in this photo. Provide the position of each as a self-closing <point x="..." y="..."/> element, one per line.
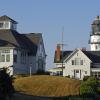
<point x="44" y="85"/>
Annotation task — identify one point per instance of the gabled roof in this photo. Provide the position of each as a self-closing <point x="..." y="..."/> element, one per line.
<point x="11" y="38"/>
<point x="34" y="37"/>
<point x="94" y="56"/>
<point x="6" y="18"/>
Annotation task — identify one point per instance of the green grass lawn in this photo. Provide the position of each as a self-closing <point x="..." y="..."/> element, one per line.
<point x="44" y="85"/>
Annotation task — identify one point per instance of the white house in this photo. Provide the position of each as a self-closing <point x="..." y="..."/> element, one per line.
<point x="80" y="62"/>
<point x="20" y="52"/>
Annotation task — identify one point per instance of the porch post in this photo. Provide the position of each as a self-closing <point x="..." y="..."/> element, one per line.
<point x="74" y="73"/>
<point x="80" y="73"/>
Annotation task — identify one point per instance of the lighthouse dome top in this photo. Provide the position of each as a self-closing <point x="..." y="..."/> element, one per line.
<point x="96" y="21"/>
<point x="95" y="26"/>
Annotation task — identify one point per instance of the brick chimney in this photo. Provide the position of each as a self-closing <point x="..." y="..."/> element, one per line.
<point x="83" y="49"/>
<point x="58" y="52"/>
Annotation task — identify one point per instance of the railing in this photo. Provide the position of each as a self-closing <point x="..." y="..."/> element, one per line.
<point x="93" y="42"/>
<point x="96" y="33"/>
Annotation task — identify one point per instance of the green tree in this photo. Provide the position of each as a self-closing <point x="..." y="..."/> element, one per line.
<point x="88" y="87"/>
<point x="6" y="87"/>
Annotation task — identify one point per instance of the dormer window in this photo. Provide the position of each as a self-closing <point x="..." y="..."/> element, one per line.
<point x="1" y="25"/>
<point x="4" y="25"/>
<point x="7" y="23"/>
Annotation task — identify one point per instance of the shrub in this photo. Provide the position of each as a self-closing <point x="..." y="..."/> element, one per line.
<point x="92" y="81"/>
<point x="68" y="76"/>
<point x="88" y="87"/>
<point x="40" y="72"/>
<point x="6" y="87"/>
<point x="47" y="73"/>
<point x="98" y="86"/>
<point x="98" y="89"/>
<point x="85" y="78"/>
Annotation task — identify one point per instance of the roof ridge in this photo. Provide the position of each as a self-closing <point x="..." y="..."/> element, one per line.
<point x="13" y="35"/>
<point x="5" y="17"/>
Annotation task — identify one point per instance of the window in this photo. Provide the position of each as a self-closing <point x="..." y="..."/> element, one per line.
<point x="59" y="73"/>
<point x="6" y="25"/>
<point x="96" y="47"/>
<point x="7" y="58"/>
<point x="4" y="55"/>
<point x="97" y="28"/>
<point x="23" y="57"/>
<point x="81" y="62"/>
<point x="96" y="74"/>
<point x="72" y="62"/>
<point x="40" y="48"/>
<point x="40" y="64"/>
<point x="85" y="72"/>
<point x="1" y="25"/>
<point x="5" y="51"/>
<point x="99" y="45"/>
<point x="77" y="61"/>
<point x="77" y="71"/>
<point x="2" y="58"/>
<point x="15" y="58"/>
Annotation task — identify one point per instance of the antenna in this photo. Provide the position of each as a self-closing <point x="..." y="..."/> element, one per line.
<point x="62" y="47"/>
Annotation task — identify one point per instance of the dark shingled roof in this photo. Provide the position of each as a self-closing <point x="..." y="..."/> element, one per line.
<point x="6" y="18"/>
<point x="94" y="56"/>
<point x="11" y="38"/>
<point x="34" y="37"/>
<point x="63" y="55"/>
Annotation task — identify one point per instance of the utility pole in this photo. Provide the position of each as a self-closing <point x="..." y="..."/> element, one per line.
<point x="62" y="48"/>
<point x="30" y="69"/>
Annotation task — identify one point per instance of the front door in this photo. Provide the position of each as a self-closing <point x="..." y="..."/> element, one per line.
<point x="77" y="74"/>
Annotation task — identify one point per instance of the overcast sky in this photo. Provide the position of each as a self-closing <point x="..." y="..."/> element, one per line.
<point x="49" y="16"/>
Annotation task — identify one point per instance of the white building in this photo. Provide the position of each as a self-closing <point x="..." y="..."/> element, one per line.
<point x="95" y="35"/>
<point x="80" y="63"/>
<point x="20" y="52"/>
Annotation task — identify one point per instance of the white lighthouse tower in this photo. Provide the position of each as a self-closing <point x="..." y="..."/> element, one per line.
<point x="95" y="35"/>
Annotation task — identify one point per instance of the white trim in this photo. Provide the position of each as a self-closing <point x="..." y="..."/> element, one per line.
<point x="75" y="51"/>
<point x="7" y="47"/>
<point x="95" y="69"/>
<point x="70" y="55"/>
